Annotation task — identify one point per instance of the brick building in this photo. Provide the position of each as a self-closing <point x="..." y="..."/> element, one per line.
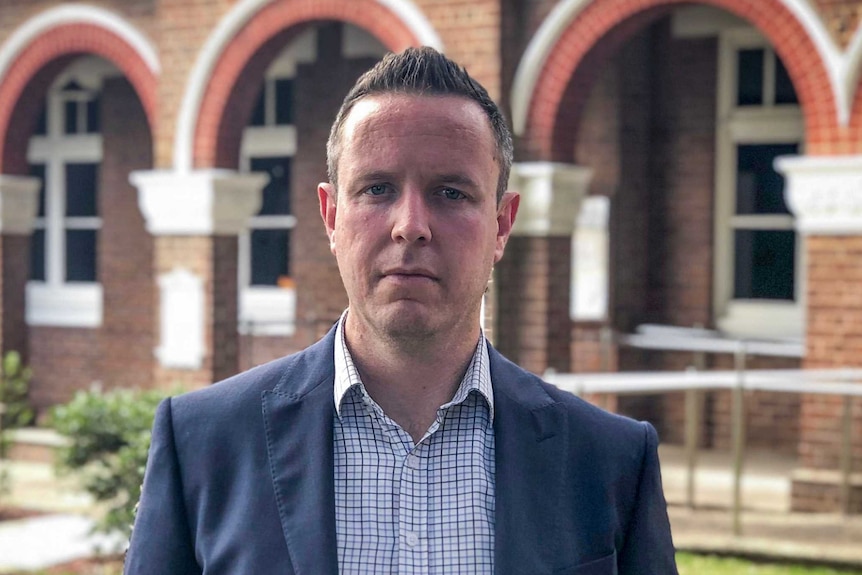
<point x="158" y="161"/>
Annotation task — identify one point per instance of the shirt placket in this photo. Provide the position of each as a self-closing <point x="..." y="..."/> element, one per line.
<point x="413" y="509"/>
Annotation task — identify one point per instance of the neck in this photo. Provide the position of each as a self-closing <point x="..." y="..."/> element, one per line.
<point x="407" y="380"/>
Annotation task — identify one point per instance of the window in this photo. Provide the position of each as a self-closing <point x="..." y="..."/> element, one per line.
<point x="270" y="229"/>
<point x="65" y="153"/>
<point x="758" y="260"/>
<point x="267" y="295"/>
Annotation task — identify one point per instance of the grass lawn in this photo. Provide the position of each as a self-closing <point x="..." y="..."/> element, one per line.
<point x="690" y="564"/>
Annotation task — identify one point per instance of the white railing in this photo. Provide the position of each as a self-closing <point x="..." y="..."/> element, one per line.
<point x="844" y="382"/>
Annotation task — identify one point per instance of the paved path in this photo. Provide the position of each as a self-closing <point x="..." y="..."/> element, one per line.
<point x="769" y="529"/>
<point x="46" y="540"/>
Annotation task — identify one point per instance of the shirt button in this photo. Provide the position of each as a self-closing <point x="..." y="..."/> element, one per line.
<point x="412" y="461"/>
<point x="412" y="538"/>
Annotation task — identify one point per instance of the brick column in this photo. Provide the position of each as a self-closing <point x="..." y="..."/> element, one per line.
<point x="196" y="218"/>
<point x="533" y="279"/>
<point x="19" y="203"/>
<point x="825" y="195"/>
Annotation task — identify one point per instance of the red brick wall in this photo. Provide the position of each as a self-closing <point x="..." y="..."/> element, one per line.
<point x="834" y="339"/>
<point x="125" y="249"/>
<point x="64" y="360"/>
<point x="534" y="328"/>
<point x="15" y="266"/>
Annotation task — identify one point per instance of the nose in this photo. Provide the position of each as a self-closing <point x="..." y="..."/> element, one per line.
<point x="411" y="218"/>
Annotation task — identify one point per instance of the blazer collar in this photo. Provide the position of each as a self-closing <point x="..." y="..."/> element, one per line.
<point x="530" y="438"/>
<point x="298" y="421"/>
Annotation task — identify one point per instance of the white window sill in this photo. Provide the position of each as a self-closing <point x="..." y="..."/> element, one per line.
<point x="759" y="319"/>
<point x="65" y="305"/>
<point x="267" y="311"/>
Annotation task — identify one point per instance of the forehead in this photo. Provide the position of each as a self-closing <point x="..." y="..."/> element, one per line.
<point x="427" y="119"/>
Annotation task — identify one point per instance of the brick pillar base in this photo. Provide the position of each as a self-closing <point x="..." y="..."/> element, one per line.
<point x="825" y="194"/>
<point x="196" y="218"/>
<point x="19" y="201"/>
<point x="534" y="323"/>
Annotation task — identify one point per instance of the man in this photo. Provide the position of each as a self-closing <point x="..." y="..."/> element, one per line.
<point x="402" y="442"/>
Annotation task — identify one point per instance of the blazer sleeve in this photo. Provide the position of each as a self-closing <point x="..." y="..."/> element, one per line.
<point x="161" y="542"/>
<point x="648" y="548"/>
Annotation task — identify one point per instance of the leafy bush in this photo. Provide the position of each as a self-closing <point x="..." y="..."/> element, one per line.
<point x="15" y="410"/>
<point x="109" y="435"/>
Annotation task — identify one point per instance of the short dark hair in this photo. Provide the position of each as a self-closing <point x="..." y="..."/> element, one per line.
<point x="422" y="71"/>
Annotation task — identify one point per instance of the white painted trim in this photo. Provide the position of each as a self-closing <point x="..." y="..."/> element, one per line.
<point x="64" y="305"/>
<point x="19" y="204"/>
<point x="763" y="320"/>
<point x="590" y="281"/>
<point x="227" y="28"/>
<point x="824" y="193"/>
<point x="551" y="195"/>
<point x="203" y="202"/>
<point x="182" y="342"/>
<point x="842" y="67"/>
<point x="40" y="24"/>
<point x="413" y="17"/>
<point x="267" y="311"/>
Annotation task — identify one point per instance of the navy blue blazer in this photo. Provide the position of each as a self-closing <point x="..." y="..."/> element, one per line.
<point x="240" y="479"/>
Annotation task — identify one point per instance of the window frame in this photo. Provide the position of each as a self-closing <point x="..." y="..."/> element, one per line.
<point x="270" y="310"/>
<point x="57" y="301"/>
<point x="768" y="123"/>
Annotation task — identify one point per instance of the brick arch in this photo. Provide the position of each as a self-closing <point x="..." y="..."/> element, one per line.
<point x="40" y="61"/>
<point x="604" y="23"/>
<point x="258" y="42"/>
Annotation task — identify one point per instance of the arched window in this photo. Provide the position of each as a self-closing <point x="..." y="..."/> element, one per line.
<point x="65" y="152"/>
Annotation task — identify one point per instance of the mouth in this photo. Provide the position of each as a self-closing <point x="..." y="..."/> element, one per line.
<point x="406" y="274"/>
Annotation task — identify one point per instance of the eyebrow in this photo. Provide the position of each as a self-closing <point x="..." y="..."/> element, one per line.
<point x="454" y="179"/>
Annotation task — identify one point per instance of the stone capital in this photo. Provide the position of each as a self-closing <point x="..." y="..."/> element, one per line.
<point x="198" y="203"/>
<point x="19" y="204"/>
<point x="551" y="195"/>
<point x="824" y="193"/>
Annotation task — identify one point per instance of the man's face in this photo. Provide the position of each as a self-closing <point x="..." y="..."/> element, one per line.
<point x="415" y="225"/>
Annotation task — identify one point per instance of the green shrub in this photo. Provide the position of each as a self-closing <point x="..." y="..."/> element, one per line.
<point x="109" y="435"/>
<point x="15" y="410"/>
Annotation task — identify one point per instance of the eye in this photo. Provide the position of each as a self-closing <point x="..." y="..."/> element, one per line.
<point x="376" y="190"/>
<point x="452" y="194"/>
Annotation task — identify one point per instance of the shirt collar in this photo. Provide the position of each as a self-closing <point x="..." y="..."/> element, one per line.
<point x="477" y="378"/>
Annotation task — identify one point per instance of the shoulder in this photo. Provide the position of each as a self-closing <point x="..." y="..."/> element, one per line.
<point x="293" y="375"/>
<point x="588" y="423"/>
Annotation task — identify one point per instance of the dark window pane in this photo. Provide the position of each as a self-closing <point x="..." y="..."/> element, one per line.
<point x="93" y="120"/>
<point x="70" y="117"/>
<point x="38" y="171"/>
<point x="37" y="255"/>
<point x="42" y="121"/>
<point x="785" y="93"/>
<point x="284" y="101"/>
<point x="764" y="264"/>
<point x="276" y="194"/>
<point x="270" y="253"/>
<point x="258" y="115"/>
<point x="759" y="188"/>
<point x="749" y="78"/>
<point x="81" y="255"/>
<point x="81" y="186"/>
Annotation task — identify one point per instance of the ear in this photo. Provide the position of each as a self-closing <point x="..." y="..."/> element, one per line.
<point x="326" y="197"/>
<point x="506" y="212"/>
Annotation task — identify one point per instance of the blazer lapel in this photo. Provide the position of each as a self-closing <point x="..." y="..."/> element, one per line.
<point x="530" y="439"/>
<point x="299" y="444"/>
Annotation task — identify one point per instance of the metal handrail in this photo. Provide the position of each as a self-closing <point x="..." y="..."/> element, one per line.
<point x="738" y="381"/>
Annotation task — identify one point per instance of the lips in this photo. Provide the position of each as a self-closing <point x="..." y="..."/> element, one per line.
<point x="409" y="273"/>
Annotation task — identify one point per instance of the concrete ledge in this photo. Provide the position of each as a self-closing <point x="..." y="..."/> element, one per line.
<point x="35" y="444"/>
